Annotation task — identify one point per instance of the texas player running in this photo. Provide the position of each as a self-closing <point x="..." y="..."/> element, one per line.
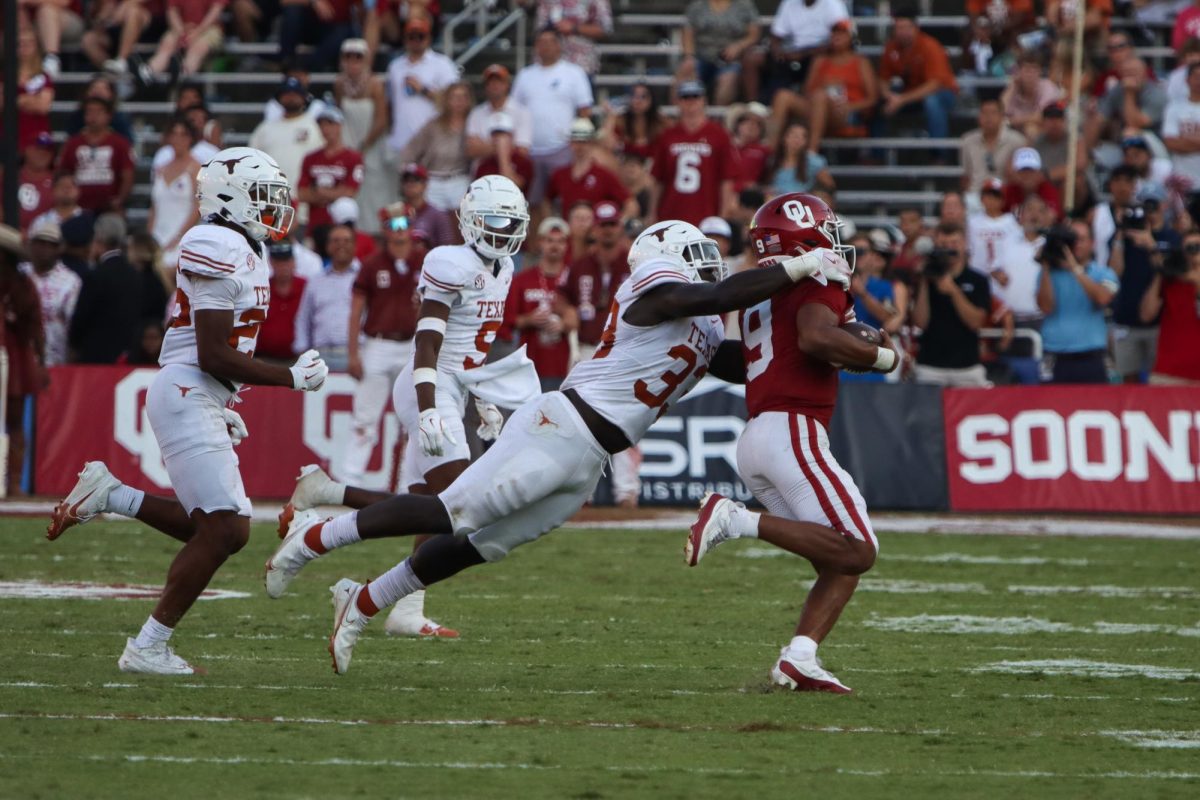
<point x="463" y="290"/>
<point x="793" y="346"/>
<point x="664" y="332"/>
<point x="207" y="355"/>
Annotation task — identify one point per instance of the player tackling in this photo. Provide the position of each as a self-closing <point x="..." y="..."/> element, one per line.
<point x="792" y="343"/>
<point x="663" y="334"/>
<point x="207" y="354"/>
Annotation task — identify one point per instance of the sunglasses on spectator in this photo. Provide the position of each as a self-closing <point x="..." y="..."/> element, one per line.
<point x="398" y="224"/>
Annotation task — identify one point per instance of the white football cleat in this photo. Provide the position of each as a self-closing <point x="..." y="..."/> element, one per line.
<point x="711" y="528"/>
<point x="407" y="618"/>
<point x="805" y="675"/>
<point x="314" y="488"/>
<point x="85" y="501"/>
<point x="348" y="622"/>
<point x="157" y="659"/>
<point x="291" y="555"/>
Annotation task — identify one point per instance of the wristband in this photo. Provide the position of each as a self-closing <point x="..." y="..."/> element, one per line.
<point x="885" y="359"/>
<point x="432" y="324"/>
<point x="424" y="375"/>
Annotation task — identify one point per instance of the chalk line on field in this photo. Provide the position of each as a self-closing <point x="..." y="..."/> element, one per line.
<point x="75" y="590"/>
<point x="1088" y="669"/>
<point x="1167" y="740"/>
<point x="1016" y="626"/>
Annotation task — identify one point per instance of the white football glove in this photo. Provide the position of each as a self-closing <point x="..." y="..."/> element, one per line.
<point x="433" y="433"/>
<point x="814" y="264"/>
<point x="309" y="372"/>
<point x="490" y="420"/>
<point x="837" y="270"/>
<point x="235" y="425"/>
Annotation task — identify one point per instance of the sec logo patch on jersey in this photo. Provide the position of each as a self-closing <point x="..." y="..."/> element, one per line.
<point x="479" y="281"/>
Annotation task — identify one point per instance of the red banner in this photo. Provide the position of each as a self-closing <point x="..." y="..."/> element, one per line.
<point x="97" y="413"/>
<point x="1129" y="449"/>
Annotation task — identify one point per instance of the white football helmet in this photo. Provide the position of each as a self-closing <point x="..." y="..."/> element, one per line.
<point x="698" y="255"/>
<point x="493" y="216"/>
<point x="246" y="187"/>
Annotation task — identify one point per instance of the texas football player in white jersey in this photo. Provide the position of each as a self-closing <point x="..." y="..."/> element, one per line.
<point x="462" y="289"/>
<point x="207" y="355"/>
<point x="663" y="334"/>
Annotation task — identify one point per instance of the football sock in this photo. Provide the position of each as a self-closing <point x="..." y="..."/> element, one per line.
<point x="152" y="633"/>
<point x="399" y="581"/>
<point x="124" y="501"/>
<point x="312" y="538"/>
<point x="340" y="531"/>
<point x="802" y="647"/>
<point x="744" y="522"/>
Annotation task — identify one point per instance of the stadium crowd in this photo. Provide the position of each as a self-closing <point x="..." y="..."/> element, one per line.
<point x="1106" y="283"/>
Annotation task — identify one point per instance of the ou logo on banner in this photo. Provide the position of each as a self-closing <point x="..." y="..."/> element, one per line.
<point x="799" y="213"/>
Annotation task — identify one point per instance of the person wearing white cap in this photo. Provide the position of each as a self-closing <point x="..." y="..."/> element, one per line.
<point x="363" y="101"/>
<point x="57" y="287"/>
<point x="1029" y="178"/>
<point x="506" y="158"/>
<point x="331" y="173"/>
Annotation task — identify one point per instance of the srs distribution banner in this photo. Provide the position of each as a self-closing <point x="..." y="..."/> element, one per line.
<point x="1096" y="448"/>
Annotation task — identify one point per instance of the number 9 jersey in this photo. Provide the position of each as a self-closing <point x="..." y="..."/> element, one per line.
<point x="638" y="372"/>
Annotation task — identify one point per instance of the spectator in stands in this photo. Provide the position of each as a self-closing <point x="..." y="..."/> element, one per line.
<point x="145" y="256"/>
<point x="636" y="178"/>
<point x="580" y="23"/>
<point x="1107" y="216"/>
<point x="108" y="316"/>
<point x="55" y="21"/>
<point x="35" y="91"/>
<point x="1187" y="26"/>
<point x="387" y="22"/>
<point x="953" y="209"/>
<point x="694" y="164"/>
<point x="800" y="31"/>
<point x="1073" y="293"/>
<point x="1152" y="173"/>
<point x="325" y="304"/>
<point x="585" y="179"/>
<point x="875" y="300"/>
<point x="78" y="235"/>
<point x="416" y="79"/>
<point x="101" y="160"/>
<point x="718" y="44"/>
<point x="1028" y="94"/>
<point x="148" y="348"/>
<point x="1140" y="249"/>
<point x="101" y="87"/>
<point x="795" y="168"/>
<point x="1181" y="131"/>
<point x="581" y="221"/>
<point x="24" y="342"/>
<point x="952" y="304"/>
<point x="497" y="84"/>
<point x="1177" y="83"/>
<point x="193" y="31"/>
<point x="1004" y="19"/>
<point x="330" y="173"/>
<point x="344" y="211"/>
<point x="538" y="311"/>
<point x="363" y="101"/>
<point x="116" y="27"/>
<point x="1051" y="144"/>
<point x="35" y="181"/>
<point x="201" y="150"/>
<point x="1136" y="101"/>
<point x="57" y="289"/>
<point x="915" y="70"/>
<point x="325" y="24"/>
<point x="1015" y="286"/>
<point x="173" y="204"/>
<point x="594" y="277"/>
<point x="556" y="92"/>
<point x="253" y="20"/>
<point x="991" y="233"/>
<point x="1029" y="178"/>
<point x="506" y="158"/>
<point x="910" y="256"/>
<point x="65" y="205"/>
<point x="293" y="136"/>
<point x="273" y="109"/>
<point x="1175" y="300"/>
<point x="635" y="130"/>
<point x="988" y="150"/>
<point x="441" y="148"/>
<point x="211" y="137"/>
<point x="1061" y="15"/>
<point x="278" y="332"/>
<point x="430" y="221"/>
<point x="747" y="124"/>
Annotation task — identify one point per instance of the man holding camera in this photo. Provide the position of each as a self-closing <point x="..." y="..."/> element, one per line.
<point x="1140" y="248"/>
<point x="1174" y="298"/>
<point x="953" y="303"/>
<point x="1073" y="292"/>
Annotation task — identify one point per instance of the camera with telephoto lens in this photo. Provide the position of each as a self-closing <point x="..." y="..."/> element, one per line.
<point x="1135" y="219"/>
<point x="937" y="263"/>
<point x="1058" y="240"/>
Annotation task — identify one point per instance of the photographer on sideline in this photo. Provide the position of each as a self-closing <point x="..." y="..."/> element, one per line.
<point x="1175" y="293"/>
<point x="1073" y="298"/>
<point x="953" y="303"/>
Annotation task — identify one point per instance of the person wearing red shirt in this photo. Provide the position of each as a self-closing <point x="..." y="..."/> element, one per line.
<point x="35" y="181"/>
<point x="278" y="331"/>
<point x="35" y="92"/>
<point x="753" y="153"/>
<point x="1029" y="178"/>
<point x="584" y="180"/>
<point x="101" y="160"/>
<point x="793" y="346"/>
<point x="694" y="164"/>
<point x="333" y="172"/>
<point x="537" y="310"/>
<point x="1177" y="299"/>
<point x="506" y="159"/>
<point x="1187" y="26"/>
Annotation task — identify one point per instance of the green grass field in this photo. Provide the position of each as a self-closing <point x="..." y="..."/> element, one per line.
<point x="595" y="665"/>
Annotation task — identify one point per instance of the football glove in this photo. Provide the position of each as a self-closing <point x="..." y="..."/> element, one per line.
<point x="490" y="420"/>
<point x="433" y="433"/>
<point x="309" y="372"/>
<point x="235" y="425"/>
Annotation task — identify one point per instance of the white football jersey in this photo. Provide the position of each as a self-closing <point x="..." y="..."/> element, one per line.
<point x="990" y="240"/>
<point x="217" y="270"/>
<point x="637" y="372"/>
<point x="457" y="276"/>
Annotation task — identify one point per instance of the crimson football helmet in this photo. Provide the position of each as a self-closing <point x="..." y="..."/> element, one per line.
<point x="793" y="224"/>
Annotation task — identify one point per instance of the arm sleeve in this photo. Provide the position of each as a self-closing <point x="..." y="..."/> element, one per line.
<point x="214" y="294"/>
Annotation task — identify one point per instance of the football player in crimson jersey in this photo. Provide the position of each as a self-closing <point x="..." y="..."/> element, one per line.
<point x="794" y="346"/>
<point x="663" y="335"/>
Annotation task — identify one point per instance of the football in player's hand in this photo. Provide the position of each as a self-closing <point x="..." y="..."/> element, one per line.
<point x="862" y="330"/>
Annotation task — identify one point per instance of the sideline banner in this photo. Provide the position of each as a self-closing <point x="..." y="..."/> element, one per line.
<point x="1128" y="449"/>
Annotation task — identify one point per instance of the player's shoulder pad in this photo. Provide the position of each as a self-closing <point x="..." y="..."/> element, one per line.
<point x="650" y="273"/>
<point x="449" y="268"/>
<point x="214" y="251"/>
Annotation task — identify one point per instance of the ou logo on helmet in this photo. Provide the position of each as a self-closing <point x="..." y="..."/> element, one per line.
<point x="799" y="213"/>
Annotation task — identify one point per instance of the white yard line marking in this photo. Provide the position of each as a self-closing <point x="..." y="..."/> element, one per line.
<point x="1015" y="626"/>
<point x="73" y="590"/>
<point x="378" y="688"/>
<point x="1169" y="740"/>
<point x="1076" y="667"/>
<point x="1185" y="592"/>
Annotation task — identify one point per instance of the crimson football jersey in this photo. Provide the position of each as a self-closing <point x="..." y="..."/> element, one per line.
<point x="34" y="196"/>
<point x="343" y="168"/>
<point x="691" y="167"/>
<point x="779" y="377"/>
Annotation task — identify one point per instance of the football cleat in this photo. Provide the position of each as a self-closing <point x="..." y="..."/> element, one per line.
<point x="711" y="528"/>
<point x="291" y="556"/>
<point x="157" y="659"/>
<point x="407" y="618"/>
<point x="805" y="675"/>
<point x="313" y="488"/>
<point x="348" y="622"/>
<point x="85" y="501"/>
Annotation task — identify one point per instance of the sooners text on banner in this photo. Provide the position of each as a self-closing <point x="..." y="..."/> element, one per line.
<point x="1075" y="448"/>
<point x="98" y="413"/>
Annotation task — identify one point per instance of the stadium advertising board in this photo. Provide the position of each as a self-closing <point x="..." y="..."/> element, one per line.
<point x="1098" y="448"/>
